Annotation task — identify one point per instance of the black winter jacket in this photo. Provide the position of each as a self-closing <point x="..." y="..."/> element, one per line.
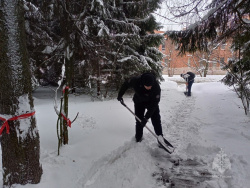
<point x="189" y="76"/>
<point x="149" y="98"/>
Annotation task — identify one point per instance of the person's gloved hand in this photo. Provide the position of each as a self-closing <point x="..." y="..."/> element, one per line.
<point x="144" y="122"/>
<point x="120" y="99"/>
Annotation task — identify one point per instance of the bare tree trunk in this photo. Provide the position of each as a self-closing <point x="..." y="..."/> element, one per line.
<point x="206" y="69"/>
<point x="65" y="110"/>
<point x="21" y="147"/>
<point x="98" y="79"/>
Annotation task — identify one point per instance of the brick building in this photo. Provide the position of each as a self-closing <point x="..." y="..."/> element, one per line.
<point x="198" y="62"/>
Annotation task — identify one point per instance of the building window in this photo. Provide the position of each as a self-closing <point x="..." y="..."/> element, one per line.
<point x="176" y="46"/>
<point x="223" y="46"/>
<point x="189" y="60"/>
<point x="222" y="60"/>
<point x="163" y="46"/>
<point x="166" y="63"/>
<point x="222" y="65"/>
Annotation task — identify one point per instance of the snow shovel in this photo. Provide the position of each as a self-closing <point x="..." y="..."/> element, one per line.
<point x="161" y="140"/>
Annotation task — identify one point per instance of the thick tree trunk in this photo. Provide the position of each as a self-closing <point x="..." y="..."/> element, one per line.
<point x="21" y="147"/>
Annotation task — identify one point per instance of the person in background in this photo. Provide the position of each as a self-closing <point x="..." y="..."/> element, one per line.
<point x="189" y="78"/>
<point x="146" y="97"/>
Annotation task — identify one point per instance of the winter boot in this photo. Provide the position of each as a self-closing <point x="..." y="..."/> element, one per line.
<point x="138" y="139"/>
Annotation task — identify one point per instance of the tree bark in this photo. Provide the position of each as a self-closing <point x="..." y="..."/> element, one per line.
<point x="21" y="147"/>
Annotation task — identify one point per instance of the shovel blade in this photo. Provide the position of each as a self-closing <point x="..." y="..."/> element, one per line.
<point x="168" y="143"/>
<point x="165" y="147"/>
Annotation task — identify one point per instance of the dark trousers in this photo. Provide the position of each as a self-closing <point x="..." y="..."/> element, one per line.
<point x="140" y="109"/>
<point x="189" y="87"/>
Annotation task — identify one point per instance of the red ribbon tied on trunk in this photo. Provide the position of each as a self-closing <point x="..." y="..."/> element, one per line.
<point x="6" y="124"/>
<point x="66" y="88"/>
<point x="66" y="119"/>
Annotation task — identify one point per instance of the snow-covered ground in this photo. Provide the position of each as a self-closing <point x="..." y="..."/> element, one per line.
<point x="209" y="130"/>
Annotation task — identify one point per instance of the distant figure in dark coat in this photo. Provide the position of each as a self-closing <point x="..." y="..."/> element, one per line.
<point x="189" y="78"/>
<point x="147" y="96"/>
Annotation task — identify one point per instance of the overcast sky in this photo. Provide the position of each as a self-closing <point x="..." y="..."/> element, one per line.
<point x="169" y="22"/>
<point x="167" y="25"/>
<point x="162" y="17"/>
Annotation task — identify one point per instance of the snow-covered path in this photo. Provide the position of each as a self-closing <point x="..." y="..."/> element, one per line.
<point x="177" y="117"/>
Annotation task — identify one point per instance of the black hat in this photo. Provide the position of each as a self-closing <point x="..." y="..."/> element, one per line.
<point x="148" y="79"/>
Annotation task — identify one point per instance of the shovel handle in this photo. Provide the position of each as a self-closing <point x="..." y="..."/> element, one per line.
<point x="164" y="147"/>
<point x="122" y="102"/>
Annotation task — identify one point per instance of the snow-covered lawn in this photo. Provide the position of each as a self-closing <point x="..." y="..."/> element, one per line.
<point x="209" y="130"/>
